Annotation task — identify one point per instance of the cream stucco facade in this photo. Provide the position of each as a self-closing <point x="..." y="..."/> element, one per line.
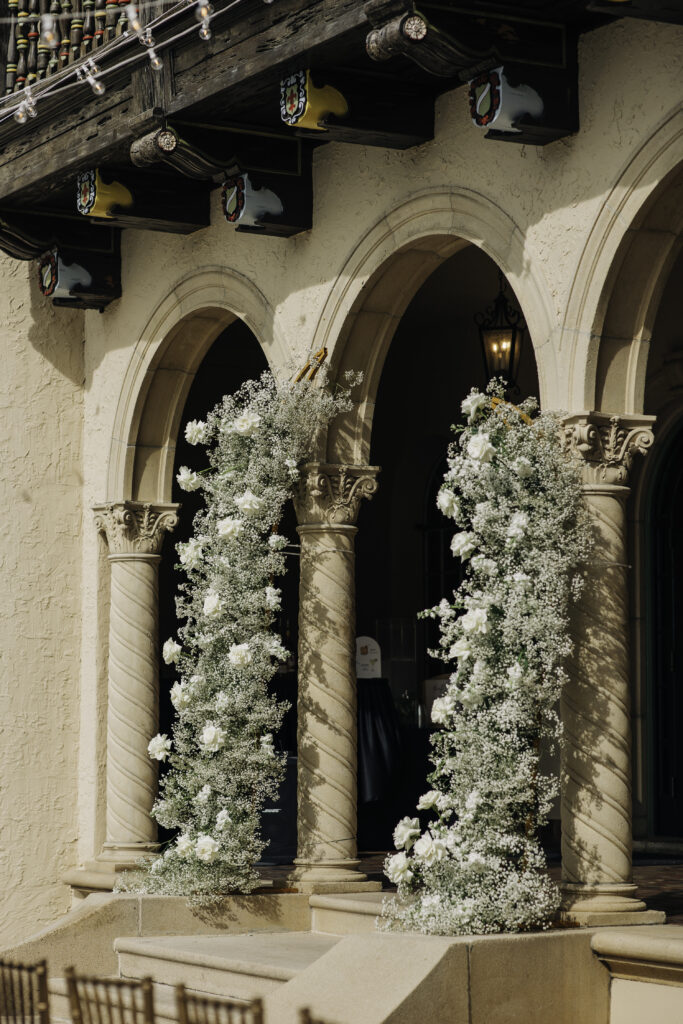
<point x="586" y="230"/>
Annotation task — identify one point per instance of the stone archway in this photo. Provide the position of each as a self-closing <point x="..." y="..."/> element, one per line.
<point x="134" y="520"/>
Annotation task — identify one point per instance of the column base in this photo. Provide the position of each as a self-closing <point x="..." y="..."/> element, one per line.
<point x="606" y="905"/>
<point x="121" y="857"/>
<point x="330" y="876"/>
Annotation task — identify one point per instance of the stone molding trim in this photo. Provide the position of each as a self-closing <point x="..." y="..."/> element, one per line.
<point x="135" y="527"/>
<point x="639" y="955"/>
<point x="608" y="444"/>
<point x="331" y="494"/>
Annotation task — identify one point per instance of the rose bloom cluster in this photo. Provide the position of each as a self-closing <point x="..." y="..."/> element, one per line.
<point x="523" y="535"/>
<point x="222" y="764"/>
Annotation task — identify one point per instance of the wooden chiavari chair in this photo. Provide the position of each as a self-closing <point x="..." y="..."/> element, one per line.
<point x="23" y="993"/>
<point x="196" y="1009"/>
<point x="109" y="1000"/>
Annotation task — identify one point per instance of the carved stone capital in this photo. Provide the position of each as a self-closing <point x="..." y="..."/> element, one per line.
<point x="608" y="444"/>
<point x="331" y="494"/>
<point x="135" y="527"/>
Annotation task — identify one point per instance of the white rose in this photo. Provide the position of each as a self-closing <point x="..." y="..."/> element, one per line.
<point x="212" y="737"/>
<point x="188" y="480"/>
<point x="229" y="527"/>
<point x="429" y="850"/>
<point x="223" y="819"/>
<point x="480" y="448"/>
<point x="196" y="432"/>
<point x="463" y="544"/>
<point x="442" y="709"/>
<point x="266" y="743"/>
<point x="246" y="424"/>
<point x="277" y="542"/>
<point x="523" y="467"/>
<point x="240" y="655"/>
<point x="292" y="467"/>
<point x="183" y="845"/>
<point x="460" y="649"/>
<point x="476" y="863"/>
<point x="447" y="503"/>
<point x="196" y="680"/>
<point x="406" y="832"/>
<point x="206" y="848"/>
<point x="471" y="695"/>
<point x="485" y="565"/>
<point x="171" y="651"/>
<point x="191" y="554"/>
<point x="472" y="404"/>
<point x="214" y="605"/>
<point x="181" y="696"/>
<point x="248" y="503"/>
<point x="475" y="621"/>
<point x="222" y="701"/>
<point x="203" y="795"/>
<point x="398" y="869"/>
<point x="159" y="747"/>
<point x="428" y="800"/>
<point x="273" y="596"/>
<point x="518" y="526"/>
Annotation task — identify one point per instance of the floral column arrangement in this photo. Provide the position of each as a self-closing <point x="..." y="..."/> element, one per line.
<point x="222" y="762"/>
<point x="514" y="492"/>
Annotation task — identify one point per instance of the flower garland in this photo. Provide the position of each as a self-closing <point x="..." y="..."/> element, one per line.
<point x="223" y="765"/>
<point x="515" y="494"/>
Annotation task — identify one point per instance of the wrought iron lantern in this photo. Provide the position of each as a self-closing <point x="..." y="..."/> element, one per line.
<point x="501" y="328"/>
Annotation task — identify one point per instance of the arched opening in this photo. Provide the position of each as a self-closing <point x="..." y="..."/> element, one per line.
<point x="233" y="358"/>
<point x="431" y="358"/>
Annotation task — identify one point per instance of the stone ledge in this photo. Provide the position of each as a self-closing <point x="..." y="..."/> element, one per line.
<point x="642" y="954"/>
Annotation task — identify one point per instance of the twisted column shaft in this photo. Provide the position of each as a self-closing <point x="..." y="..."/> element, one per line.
<point x="596" y="794"/>
<point x="327" y="507"/>
<point x="134" y="533"/>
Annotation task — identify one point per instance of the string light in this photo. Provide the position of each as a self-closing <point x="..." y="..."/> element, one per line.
<point x="22" y="109"/>
<point x="144" y="35"/>
<point x="87" y="72"/>
<point x="203" y="14"/>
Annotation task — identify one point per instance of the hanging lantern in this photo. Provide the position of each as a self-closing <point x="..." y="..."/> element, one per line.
<point x="501" y="328"/>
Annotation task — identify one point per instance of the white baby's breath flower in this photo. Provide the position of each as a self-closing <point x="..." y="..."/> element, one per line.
<point x="206" y="848"/>
<point x="522" y="467"/>
<point x="159" y="747"/>
<point x="293" y="469"/>
<point x="518" y="526"/>
<point x="222" y="701"/>
<point x="223" y="819"/>
<point x="170" y="652"/>
<point x="212" y="737"/>
<point x="277" y="542"/>
<point x="273" y="598"/>
<point x="203" y="795"/>
<point x="266" y="744"/>
<point x="196" y="680"/>
<point x="196" y="432"/>
<point x="248" y="503"/>
<point x="229" y="527"/>
<point x="406" y="832"/>
<point x="240" y="655"/>
<point x="397" y="868"/>
<point x="188" y="480"/>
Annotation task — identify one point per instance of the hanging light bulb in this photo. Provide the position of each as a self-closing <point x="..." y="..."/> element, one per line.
<point x="26" y="108"/>
<point x="20" y="114"/>
<point x="134" y="19"/>
<point x="155" y="60"/>
<point x="145" y="36"/>
<point x="48" y="33"/>
<point x="88" y="73"/>
<point x="203" y="13"/>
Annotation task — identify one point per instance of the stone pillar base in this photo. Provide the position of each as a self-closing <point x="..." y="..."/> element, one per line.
<point x="330" y="876"/>
<point x="605" y="905"/>
<point x="121" y="857"/>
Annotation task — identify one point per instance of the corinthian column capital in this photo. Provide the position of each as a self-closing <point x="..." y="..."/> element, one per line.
<point x="331" y="494"/>
<point x="135" y="527"/>
<point x="608" y="444"/>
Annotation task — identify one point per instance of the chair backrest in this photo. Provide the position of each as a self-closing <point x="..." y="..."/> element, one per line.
<point x="109" y="1000"/>
<point x="305" y="1017"/>
<point x="23" y="993"/>
<point x="195" y="1009"/>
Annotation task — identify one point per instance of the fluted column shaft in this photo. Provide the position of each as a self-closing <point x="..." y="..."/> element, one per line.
<point x="134" y="534"/>
<point x="596" y="793"/>
<point x="327" y="507"/>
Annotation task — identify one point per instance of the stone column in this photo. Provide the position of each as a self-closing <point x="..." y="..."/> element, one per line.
<point x="134" y="533"/>
<point x="596" y="794"/>
<point x="327" y="508"/>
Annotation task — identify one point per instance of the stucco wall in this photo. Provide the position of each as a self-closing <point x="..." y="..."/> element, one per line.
<point x="41" y="472"/>
<point x="532" y="209"/>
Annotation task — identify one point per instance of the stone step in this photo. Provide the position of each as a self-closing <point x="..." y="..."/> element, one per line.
<point x="60" y="1011"/>
<point x="235" y="966"/>
<point x="346" y="913"/>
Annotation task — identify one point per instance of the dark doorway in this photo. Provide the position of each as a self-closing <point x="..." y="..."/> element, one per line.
<point x="665" y="620"/>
